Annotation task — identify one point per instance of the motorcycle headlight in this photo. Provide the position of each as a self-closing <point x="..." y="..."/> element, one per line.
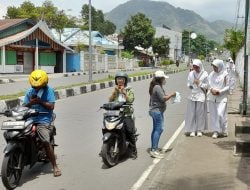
<point x="111" y="125"/>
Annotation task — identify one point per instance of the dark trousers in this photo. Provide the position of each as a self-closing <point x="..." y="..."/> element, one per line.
<point x="130" y="131"/>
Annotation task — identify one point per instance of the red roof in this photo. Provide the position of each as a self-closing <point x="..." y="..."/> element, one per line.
<point x="7" y="23"/>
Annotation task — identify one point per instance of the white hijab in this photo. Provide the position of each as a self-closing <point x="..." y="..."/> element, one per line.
<point x="219" y="64"/>
<point x="194" y="75"/>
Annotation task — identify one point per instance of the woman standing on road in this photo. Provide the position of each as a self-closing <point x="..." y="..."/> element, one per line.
<point x="196" y="115"/>
<point x="218" y="91"/>
<point x="157" y="106"/>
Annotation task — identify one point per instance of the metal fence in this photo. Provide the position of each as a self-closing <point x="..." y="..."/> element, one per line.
<point x="103" y="62"/>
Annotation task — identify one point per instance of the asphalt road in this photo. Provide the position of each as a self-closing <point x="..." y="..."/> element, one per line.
<point x="79" y="137"/>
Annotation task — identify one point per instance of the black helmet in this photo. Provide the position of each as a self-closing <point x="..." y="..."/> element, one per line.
<point x="123" y="75"/>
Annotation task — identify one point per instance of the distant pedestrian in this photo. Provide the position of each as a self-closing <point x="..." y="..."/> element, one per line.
<point x="231" y="73"/>
<point x="196" y="115"/>
<point x="217" y="97"/>
<point x="157" y="107"/>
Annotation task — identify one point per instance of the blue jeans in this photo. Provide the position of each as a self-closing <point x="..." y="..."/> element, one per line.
<point x="158" y="120"/>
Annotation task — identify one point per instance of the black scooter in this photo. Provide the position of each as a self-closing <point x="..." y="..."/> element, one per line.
<point x="23" y="144"/>
<point x="115" y="143"/>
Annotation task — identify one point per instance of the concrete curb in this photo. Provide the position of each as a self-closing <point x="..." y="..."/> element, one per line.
<point x="74" y="91"/>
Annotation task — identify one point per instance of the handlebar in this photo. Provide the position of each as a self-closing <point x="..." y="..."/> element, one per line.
<point x="115" y="105"/>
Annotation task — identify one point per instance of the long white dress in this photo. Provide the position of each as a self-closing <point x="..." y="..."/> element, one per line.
<point x="196" y="115"/>
<point x="218" y="103"/>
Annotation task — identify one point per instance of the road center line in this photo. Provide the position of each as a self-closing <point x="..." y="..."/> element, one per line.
<point x="146" y="173"/>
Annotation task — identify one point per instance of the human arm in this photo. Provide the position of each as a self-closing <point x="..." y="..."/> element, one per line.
<point x="166" y="98"/>
<point x="161" y="95"/>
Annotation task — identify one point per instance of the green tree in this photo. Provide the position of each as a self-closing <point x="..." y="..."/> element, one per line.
<point x="98" y="21"/>
<point x="161" y="46"/>
<point x="201" y="46"/>
<point x="138" y="31"/>
<point x="233" y="41"/>
<point x="54" y="18"/>
<point x="26" y="10"/>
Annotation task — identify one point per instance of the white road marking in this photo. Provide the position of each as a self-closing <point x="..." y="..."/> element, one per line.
<point x="146" y="173"/>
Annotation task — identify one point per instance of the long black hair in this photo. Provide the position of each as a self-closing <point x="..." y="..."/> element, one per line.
<point x="155" y="81"/>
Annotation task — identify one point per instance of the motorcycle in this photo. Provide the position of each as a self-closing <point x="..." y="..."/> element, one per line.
<point x="24" y="147"/>
<point x="115" y="143"/>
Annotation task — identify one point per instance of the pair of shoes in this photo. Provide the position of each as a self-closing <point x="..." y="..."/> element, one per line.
<point x="156" y="154"/>
<point x="199" y="134"/>
<point x="215" y="135"/>
<point x="192" y="134"/>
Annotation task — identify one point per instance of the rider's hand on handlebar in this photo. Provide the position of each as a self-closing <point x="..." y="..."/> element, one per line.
<point x="35" y="100"/>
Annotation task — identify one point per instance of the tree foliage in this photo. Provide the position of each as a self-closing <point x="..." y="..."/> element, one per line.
<point x="233" y="41"/>
<point x="161" y="46"/>
<point x="54" y="18"/>
<point x="200" y="46"/>
<point x="98" y="21"/>
<point x="138" y="31"/>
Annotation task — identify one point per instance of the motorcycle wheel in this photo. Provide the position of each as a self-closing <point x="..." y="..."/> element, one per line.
<point x="109" y="157"/>
<point x="11" y="174"/>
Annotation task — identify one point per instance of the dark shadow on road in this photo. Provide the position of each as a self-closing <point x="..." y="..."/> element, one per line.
<point x="226" y="145"/>
<point x="34" y="173"/>
<point x="243" y="172"/>
<point x="211" y="181"/>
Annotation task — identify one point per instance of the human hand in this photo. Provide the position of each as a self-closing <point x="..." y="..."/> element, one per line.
<point x="173" y="94"/>
<point x="197" y="82"/>
<point x="215" y="92"/>
<point x="35" y="100"/>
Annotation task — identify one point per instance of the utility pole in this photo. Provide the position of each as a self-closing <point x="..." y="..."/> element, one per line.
<point x="245" y="88"/>
<point x="90" y="44"/>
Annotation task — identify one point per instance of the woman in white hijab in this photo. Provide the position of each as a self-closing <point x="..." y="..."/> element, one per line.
<point x="217" y="97"/>
<point x="196" y="116"/>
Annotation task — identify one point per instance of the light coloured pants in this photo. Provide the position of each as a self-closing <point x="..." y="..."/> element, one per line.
<point x="218" y="116"/>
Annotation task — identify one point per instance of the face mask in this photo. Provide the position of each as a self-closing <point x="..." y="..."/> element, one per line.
<point x="164" y="82"/>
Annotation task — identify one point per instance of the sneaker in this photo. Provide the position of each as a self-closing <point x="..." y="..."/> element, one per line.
<point x="156" y="154"/>
<point x="199" y="134"/>
<point x="225" y="134"/>
<point x="215" y="135"/>
<point x="192" y="134"/>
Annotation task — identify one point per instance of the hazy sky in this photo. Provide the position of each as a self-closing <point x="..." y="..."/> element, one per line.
<point x="209" y="9"/>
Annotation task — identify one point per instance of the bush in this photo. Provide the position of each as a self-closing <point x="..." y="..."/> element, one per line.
<point x="165" y="62"/>
<point x="127" y="54"/>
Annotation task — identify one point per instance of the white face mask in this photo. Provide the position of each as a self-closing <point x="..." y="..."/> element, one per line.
<point x="164" y="82"/>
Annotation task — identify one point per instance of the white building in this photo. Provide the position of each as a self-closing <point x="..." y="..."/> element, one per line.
<point x="175" y="37"/>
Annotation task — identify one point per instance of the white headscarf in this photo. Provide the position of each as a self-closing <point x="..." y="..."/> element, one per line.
<point x="219" y="64"/>
<point x="198" y="63"/>
<point x="194" y="75"/>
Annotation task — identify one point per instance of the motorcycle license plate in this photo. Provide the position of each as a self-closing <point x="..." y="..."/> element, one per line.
<point x="14" y="125"/>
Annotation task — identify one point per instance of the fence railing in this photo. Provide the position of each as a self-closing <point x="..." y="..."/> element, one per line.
<point x="103" y="62"/>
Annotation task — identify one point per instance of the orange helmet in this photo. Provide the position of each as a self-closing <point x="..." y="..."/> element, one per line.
<point x="38" y="78"/>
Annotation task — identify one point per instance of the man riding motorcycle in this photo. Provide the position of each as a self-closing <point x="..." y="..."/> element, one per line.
<point x="123" y="93"/>
<point x="41" y="97"/>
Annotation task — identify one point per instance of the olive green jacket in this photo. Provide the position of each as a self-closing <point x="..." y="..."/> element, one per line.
<point x="130" y="94"/>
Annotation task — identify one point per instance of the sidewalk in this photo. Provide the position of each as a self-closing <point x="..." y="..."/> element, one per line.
<point x="203" y="163"/>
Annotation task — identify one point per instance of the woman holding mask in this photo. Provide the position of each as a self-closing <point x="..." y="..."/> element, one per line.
<point x="157" y="107"/>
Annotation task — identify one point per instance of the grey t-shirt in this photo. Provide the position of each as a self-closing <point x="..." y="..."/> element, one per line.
<point x="157" y="102"/>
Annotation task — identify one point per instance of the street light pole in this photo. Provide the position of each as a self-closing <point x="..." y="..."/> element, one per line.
<point x="245" y="84"/>
<point x="90" y="44"/>
<point x="189" y="47"/>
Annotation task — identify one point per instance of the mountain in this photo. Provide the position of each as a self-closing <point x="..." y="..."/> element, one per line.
<point x="164" y="13"/>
